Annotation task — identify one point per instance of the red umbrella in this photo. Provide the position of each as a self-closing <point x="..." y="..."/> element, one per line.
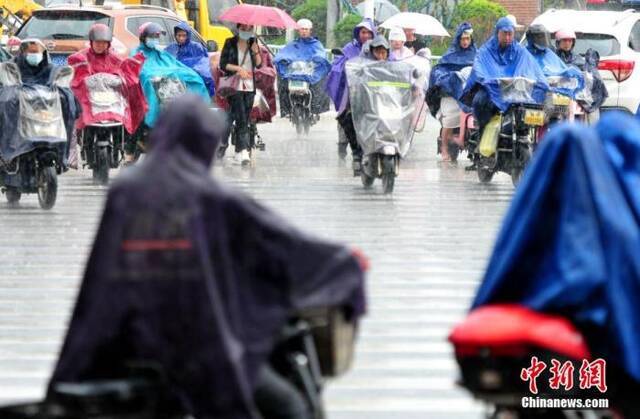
<point x="251" y="14"/>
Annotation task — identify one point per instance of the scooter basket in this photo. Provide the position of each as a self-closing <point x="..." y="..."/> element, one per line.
<point x="334" y="336"/>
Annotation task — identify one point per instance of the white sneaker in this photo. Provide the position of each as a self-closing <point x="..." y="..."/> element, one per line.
<point x="245" y="158"/>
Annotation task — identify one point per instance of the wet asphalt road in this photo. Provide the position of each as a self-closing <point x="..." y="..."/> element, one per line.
<point x="428" y="244"/>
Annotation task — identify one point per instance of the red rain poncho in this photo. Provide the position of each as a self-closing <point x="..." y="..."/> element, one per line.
<point x="87" y="63"/>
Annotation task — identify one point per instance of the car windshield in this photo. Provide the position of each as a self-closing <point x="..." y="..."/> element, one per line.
<point x="61" y="24"/>
<point x="606" y="45"/>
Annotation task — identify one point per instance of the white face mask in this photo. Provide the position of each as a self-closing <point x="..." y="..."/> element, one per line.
<point x="152" y="42"/>
<point x="34" y="58"/>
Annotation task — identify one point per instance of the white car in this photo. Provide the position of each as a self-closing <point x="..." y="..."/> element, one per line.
<point x="616" y="37"/>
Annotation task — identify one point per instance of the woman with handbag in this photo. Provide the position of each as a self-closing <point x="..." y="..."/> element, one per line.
<point x="239" y="59"/>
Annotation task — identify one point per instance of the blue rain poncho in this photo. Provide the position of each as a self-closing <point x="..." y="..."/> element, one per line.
<point x="570" y="243"/>
<point x="493" y="63"/>
<point x="305" y="50"/>
<point x="158" y="63"/>
<point x="552" y="65"/>
<point x="443" y="75"/>
<point x="193" y="55"/>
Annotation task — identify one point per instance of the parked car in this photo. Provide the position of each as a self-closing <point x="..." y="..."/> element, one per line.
<point x="616" y="37"/>
<point x="64" y="30"/>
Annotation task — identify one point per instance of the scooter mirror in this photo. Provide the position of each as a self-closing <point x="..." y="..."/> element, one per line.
<point x="62" y="76"/>
<point x="10" y="74"/>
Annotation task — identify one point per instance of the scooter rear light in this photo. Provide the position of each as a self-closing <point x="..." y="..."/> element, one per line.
<point x="621" y="69"/>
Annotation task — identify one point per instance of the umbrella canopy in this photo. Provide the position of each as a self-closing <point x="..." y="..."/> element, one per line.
<point x="423" y="24"/>
<point x="252" y="14"/>
<point x="383" y="10"/>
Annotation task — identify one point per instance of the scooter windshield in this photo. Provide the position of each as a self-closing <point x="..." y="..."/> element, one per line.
<point x="585" y="95"/>
<point x="105" y="94"/>
<point x="40" y="113"/>
<point x="384" y="103"/>
<point x="168" y="88"/>
<point x="517" y="89"/>
<point x="299" y="68"/>
<point x="561" y="82"/>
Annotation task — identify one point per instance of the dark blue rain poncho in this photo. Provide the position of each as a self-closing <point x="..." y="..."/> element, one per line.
<point x="12" y="144"/>
<point x="599" y="92"/>
<point x="159" y="63"/>
<point x="193" y="55"/>
<point x="570" y="243"/>
<point x="492" y="63"/>
<point x="195" y="277"/>
<point x="552" y="65"/>
<point x="336" y="85"/>
<point x="309" y="50"/>
<point x="456" y="58"/>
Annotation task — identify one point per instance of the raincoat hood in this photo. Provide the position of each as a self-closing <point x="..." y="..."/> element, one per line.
<point x="456" y="55"/>
<point x="569" y="242"/>
<point x="493" y="63"/>
<point x="193" y="277"/>
<point x="193" y="55"/>
<point x="336" y="84"/>
<point x="39" y="74"/>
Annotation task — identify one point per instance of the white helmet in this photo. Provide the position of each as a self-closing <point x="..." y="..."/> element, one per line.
<point x="305" y="24"/>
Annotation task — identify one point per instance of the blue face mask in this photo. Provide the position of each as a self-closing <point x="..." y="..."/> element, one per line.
<point x="152" y="42"/>
<point x="244" y="35"/>
<point x="34" y="58"/>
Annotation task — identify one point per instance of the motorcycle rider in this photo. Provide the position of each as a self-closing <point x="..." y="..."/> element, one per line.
<point x="305" y="48"/>
<point x="99" y="58"/>
<point x="336" y="85"/>
<point x="538" y="41"/>
<point x="565" y="43"/>
<point x="35" y="69"/>
<point x="199" y="280"/>
<point x="192" y="54"/>
<point x="500" y="56"/>
<point x="445" y="84"/>
<point x="397" y="39"/>
<point x="159" y="63"/>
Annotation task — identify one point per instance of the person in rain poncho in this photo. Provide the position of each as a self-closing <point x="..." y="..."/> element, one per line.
<point x="309" y="50"/>
<point x="99" y="58"/>
<point x="595" y="90"/>
<point x="198" y="279"/>
<point x="336" y="85"/>
<point x="501" y="57"/>
<point x="35" y="69"/>
<point x="397" y="39"/>
<point x="192" y="54"/>
<point x="538" y="41"/>
<point x="160" y="65"/>
<point x="570" y="242"/>
<point x="446" y="83"/>
<point x="413" y="43"/>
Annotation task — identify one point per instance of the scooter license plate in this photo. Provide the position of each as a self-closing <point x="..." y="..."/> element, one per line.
<point x="297" y="85"/>
<point x="561" y="100"/>
<point x="534" y="117"/>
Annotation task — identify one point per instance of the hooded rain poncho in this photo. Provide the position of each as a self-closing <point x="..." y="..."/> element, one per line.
<point x="89" y="70"/>
<point x="493" y="63"/>
<point x="570" y="242"/>
<point x="158" y="64"/>
<point x="195" y="277"/>
<point x="193" y="55"/>
<point x="553" y="66"/>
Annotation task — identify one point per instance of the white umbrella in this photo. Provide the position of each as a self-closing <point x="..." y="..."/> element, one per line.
<point x="383" y="10"/>
<point x="423" y="24"/>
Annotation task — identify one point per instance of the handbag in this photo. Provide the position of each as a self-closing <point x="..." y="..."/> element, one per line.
<point x="228" y="85"/>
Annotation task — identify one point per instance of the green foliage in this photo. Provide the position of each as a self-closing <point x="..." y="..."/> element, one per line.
<point x="343" y="30"/>
<point x="482" y="14"/>
<point x="315" y="11"/>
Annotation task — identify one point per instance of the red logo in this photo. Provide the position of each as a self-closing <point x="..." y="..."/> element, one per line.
<point x="592" y="374"/>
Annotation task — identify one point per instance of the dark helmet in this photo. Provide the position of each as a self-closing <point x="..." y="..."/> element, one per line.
<point x="379" y="41"/>
<point x="149" y="28"/>
<point x="100" y="32"/>
<point x="538" y="36"/>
